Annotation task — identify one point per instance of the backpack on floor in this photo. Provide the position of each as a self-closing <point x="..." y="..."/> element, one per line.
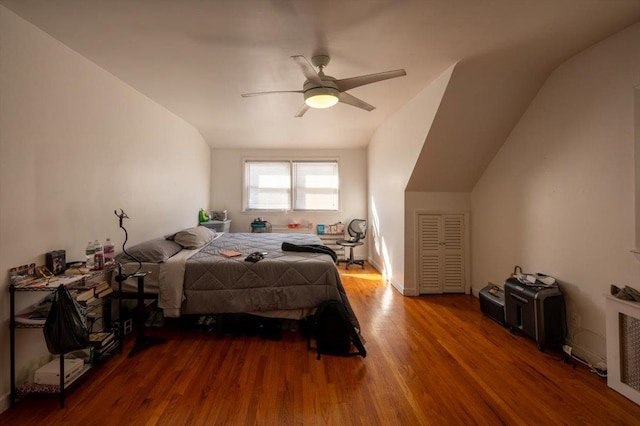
<point x="333" y="332"/>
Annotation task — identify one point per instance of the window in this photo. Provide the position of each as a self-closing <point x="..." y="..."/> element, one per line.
<point x="315" y="185"/>
<point x="291" y="185"/>
<point x="268" y="185"/>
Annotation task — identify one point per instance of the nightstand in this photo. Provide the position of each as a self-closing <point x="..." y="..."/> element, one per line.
<point x="218" y="225"/>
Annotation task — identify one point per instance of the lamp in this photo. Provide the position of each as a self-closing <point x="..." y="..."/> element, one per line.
<point x="321" y="97"/>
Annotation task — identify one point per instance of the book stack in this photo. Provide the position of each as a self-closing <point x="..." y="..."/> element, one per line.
<point x="102" y="290"/>
<point x="103" y="343"/>
<point x="97" y="291"/>
<point x="98" y="309"/>
<point x="96" y="314"/>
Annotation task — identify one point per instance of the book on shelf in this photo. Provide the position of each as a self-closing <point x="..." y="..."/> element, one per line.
<point x="37" y="317"/>
<point x="94" y="303"/>
<point x="63" y="280"/>
<point x="230" y="253"/>
<point x="85" y="296"/>
<point x="91" y="291"/>
<point x="94" y="307"/>
<point x="101" y="286"/>
<point x="104" y="293"/>
<point x="107" y="349"/>
<point x="77" y="270"/>
<point x="52" y="282"/>
<point x="101" y="339"/>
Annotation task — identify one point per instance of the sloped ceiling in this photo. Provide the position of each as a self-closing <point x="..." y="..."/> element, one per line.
<point x="196" y="57"/>
<point x="484" y="100"/>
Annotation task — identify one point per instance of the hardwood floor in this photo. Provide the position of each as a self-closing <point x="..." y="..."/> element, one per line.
<point x="431" y="360"/>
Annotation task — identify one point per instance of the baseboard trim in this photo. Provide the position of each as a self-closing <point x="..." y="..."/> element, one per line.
<point x="399" y="288"/>
<point x="5" y="403"/>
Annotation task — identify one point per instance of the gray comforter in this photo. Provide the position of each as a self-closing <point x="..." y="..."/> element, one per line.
<point x="282" y="280"/>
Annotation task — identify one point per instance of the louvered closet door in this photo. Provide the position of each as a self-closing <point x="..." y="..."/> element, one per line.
<point x="453" y="253"/>
<point x="429" y="268"/>
<point x="441" y="253"/>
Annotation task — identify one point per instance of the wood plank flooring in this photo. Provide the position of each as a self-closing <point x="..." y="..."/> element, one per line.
<point x="432" y="360"/>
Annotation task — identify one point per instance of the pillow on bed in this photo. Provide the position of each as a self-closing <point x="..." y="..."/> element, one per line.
<point x="193" y="238"/>
<point x="153" y="251"/>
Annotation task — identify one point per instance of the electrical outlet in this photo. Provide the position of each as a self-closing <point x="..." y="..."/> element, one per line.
<point x="574" y="320"/>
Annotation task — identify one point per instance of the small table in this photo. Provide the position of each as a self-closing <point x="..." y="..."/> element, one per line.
<point x="142" y="341"/>
<point x="218" y="225"/>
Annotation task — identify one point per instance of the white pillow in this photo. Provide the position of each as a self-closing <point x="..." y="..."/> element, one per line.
<point x="196" y="237"/>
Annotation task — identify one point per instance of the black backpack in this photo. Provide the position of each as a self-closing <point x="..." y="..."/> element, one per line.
<point x="333" y="332"/>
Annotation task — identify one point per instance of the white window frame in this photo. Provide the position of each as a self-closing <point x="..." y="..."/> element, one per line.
<point x="292" y="193"/>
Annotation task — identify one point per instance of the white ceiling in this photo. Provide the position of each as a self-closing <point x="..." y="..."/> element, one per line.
<point x="196" y="57"/>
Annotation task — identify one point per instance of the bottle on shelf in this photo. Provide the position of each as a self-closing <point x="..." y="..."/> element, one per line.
<point x="90" y="253"/>
<point x="203" y="216"/>
<point x="98" y="255"/>
<point x="109" y="252"/>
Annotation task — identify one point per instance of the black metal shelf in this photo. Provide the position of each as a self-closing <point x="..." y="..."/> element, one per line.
<point x="23" y="325"/>
<point x="13" y="325"/>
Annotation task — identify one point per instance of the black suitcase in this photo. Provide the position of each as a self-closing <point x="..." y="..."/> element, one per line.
<point x="538" y="311"/>
<point x="492" y="303"/>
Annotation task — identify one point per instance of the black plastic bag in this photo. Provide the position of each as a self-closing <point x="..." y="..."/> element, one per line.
<point x="65" y="329"/>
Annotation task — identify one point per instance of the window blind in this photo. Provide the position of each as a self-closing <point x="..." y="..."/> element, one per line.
<point x="268" y="185"/>
<point x="316" y="185"/>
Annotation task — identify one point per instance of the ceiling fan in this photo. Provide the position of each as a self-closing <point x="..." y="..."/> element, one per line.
<point x="324" y="91"/>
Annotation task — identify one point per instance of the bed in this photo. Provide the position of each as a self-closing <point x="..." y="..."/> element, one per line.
<point x="191" y="275"/>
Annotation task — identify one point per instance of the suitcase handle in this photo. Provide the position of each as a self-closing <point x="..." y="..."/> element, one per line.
<point x="521" y="299"/>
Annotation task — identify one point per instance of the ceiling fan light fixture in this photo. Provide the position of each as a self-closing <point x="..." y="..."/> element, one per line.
<point x="321" y="97"/>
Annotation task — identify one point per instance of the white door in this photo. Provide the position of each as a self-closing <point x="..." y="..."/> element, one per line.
<point x="441" y="262"/>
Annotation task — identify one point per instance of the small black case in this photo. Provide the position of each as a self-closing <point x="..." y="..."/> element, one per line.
<point x="492" y="303"/>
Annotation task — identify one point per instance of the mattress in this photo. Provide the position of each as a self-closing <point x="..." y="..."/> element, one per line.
<point x="283" y="280"/>
<point x="282" y="284"/>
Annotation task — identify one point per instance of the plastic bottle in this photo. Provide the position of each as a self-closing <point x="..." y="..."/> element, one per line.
<point x="90" y="252"/>
<point x="202" y="216"/>
<point x="98" y="255"/>
<point x="109" y="252"/>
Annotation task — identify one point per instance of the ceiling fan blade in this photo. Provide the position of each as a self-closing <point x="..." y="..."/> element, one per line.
<point x="349" y="83"/>
<point x="307" y="69"/>
<point x="248" y="95"/>
<point x="304" y="108"/>
<point x="346" y="98"/>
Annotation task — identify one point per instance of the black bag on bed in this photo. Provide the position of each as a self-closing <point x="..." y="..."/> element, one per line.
<point x="333" y="332"/>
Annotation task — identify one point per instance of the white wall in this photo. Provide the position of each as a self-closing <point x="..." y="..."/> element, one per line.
<point x="226" y="187"/>
<point x="392" y="155"/>
<point x="558" y="198"/>
<point x="75" y="144"/>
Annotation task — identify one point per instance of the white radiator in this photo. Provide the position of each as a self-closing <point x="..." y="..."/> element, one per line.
<point x="630" y="351"/>
<point x="623" y="347"/>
